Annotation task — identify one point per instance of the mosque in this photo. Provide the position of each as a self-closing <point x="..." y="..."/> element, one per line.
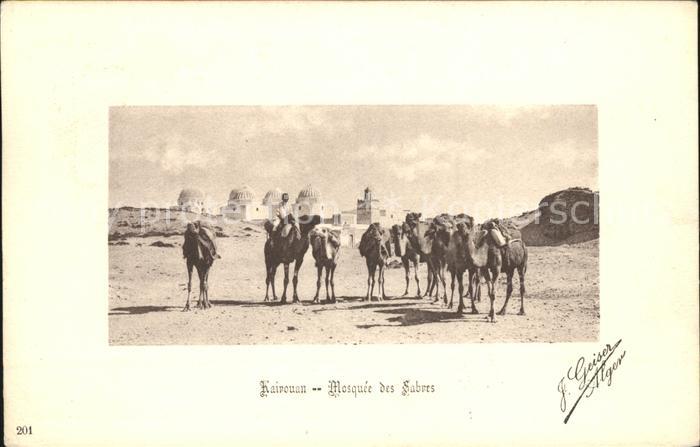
<point x="190" y="200"/>
<point x="243" y="204"/>
<point x="370" y="210"/>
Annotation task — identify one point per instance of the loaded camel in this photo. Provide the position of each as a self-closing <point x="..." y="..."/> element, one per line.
<point x="514" y="257"/>
<point x="284" y="246"/>
<point x="325" y="246"/>
<point x="486" y="256"/>
<point x="199" y="249"/>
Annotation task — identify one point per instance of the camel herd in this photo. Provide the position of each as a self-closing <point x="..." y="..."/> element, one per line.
<point x="453" y="244"/>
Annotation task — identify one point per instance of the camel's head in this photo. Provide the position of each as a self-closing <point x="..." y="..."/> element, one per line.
<point x="269" y="226"/>
<point x="466" y="220"/>
<point x="412" y="219"/>
<point x="375" y="231"/>
<point x="192" y="228"/>
<point x="462" y="228"/>
<point x="307" y="223"/>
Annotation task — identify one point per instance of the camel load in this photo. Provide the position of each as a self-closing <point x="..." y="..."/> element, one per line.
<point x="199" y="249"/>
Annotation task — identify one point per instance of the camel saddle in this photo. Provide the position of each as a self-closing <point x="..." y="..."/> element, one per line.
<point x="207" y="238"/>
<point x="286" y="229"/>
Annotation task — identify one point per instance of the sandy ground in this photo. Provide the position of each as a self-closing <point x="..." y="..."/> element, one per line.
<point x="147" y="290"/>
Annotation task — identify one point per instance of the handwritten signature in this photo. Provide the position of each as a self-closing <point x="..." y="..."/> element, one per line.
<point x="589" y="375"/>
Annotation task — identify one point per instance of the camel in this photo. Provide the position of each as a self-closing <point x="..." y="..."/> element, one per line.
<point x="325" y="246"/>
<point x="421" y="239"/>
<point x="481" y="255"/>
<point x="441" y="229"/>
<point x="408" y="255"/>
<point x="514" y="257"/>
<point x="485" y="256"/>
<point x="375" y="247"/>
<point x="285" y="246"/>
<point x="199" y="249"/>
<point x="455" y="256"/>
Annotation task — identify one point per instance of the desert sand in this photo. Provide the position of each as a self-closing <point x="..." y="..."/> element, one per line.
<point x="147" y="291"/>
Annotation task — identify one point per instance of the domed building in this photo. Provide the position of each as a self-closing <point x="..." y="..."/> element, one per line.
<point x="273" y="197"/>
<point x="191" y="200"/>
<point x="243" y="204"/>
<point x="310" y="202"/>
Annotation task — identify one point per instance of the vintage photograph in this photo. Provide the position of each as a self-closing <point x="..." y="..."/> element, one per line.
<point x="353" y="224"/>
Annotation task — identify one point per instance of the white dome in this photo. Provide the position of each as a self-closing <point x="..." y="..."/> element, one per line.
<point x="244" y="194"/>
<point x="309" y="193"/>
<point x="273" y="197"/>
<point x="190" y="196"/>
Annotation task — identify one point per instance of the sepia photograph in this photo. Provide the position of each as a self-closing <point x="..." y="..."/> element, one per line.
<point x="350" y="223"/>
<point x="353" y="224"/>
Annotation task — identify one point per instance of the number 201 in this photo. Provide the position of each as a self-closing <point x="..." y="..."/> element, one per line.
<point x="24" y="429"/>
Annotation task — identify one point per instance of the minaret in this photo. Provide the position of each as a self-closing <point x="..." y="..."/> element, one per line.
<point x="368" y="196"/>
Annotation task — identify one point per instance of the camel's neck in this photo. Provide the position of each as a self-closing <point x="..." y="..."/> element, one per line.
<point x="420" y="241"/>
<point x="477" y="251"/>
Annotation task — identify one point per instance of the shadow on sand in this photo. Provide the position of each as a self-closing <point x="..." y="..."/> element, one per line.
<point x="411" y="316"/>
<point x="304" y="302"/>
<point x="138" y="310"/>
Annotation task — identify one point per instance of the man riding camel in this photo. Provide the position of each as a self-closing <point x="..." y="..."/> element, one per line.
<point x="284" y="214"/>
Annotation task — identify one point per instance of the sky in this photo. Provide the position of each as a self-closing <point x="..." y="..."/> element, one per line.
<point x="497" y="160"/>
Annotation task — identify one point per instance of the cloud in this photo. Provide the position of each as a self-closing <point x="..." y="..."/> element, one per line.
<point x="424" y="155"/>
<point x="271" y="169"/>
<point x="174" y="154"/>
<point x="567" y="153"/>
<point x="297" y="120"/>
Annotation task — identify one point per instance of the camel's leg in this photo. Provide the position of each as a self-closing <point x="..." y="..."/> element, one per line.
<point x="372" y="270"/>
<point x="452" y="288"/>
<point x="207" y="303"/>
<point x="478" y="288"/>
<point x="369" y="275"/>
<point x="273" y="273"/>
<point x="521" y="277"/>
<point x="509" y="291"/>
<point x="382" y="293"/>
<point x="189" y="285"/>
<point x="436" y="283"/>
<point x="319" y="271"/>
<point x="474" y="287"/>
<point x="431" y="283"/>
<point x="429" y="279"/>
<point x="444" y="284"/>
<point x="492" y="292"/>
<point x="267" y="284"/>
<point x="286" y="283"/>
<point x="440" y="279"/>
<point x="407" y="270"/>
<point x="415" y="270"/>
<point x="295" y="280"/>
<point x="332" y="282"/>
<point x="328" y="297"/>
<point x="200" y="301"/>
<point x="460" y="281"/>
